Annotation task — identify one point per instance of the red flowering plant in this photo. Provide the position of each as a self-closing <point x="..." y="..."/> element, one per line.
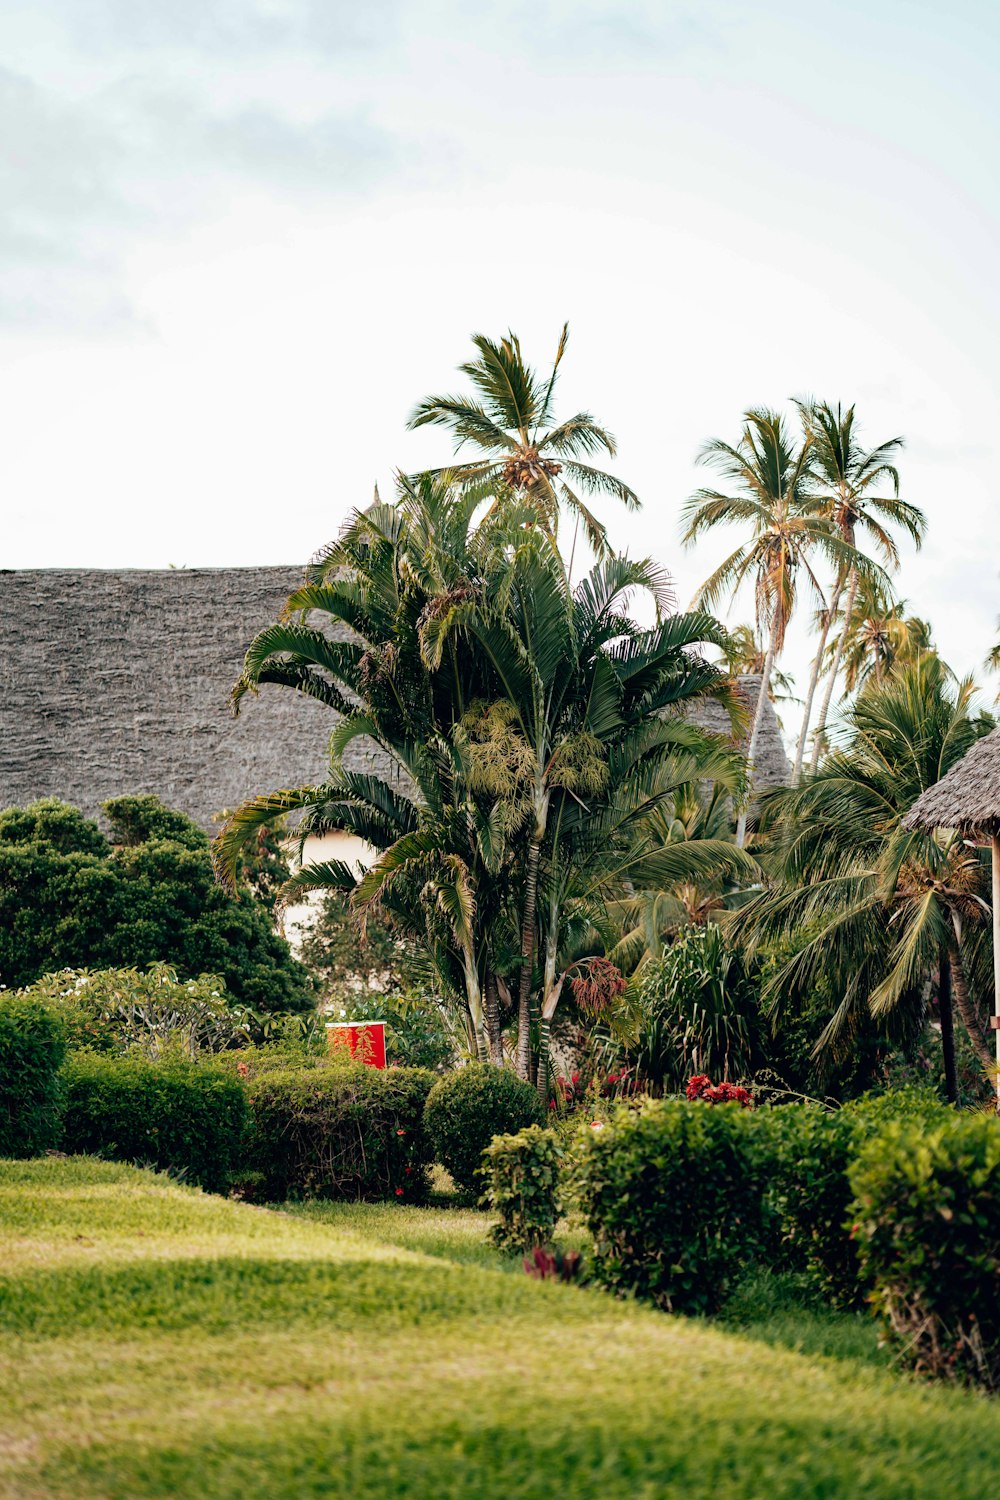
<point x="700" y="1086"/>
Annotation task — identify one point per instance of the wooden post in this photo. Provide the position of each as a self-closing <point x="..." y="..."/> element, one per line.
<point x="995" y="845"/>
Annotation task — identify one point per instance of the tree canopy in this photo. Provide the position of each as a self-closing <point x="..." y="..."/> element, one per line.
<point x="72" y="898"/>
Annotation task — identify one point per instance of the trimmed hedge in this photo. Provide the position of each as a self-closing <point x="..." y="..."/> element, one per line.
<point x="927" y="1228"/>
<point x="340" y="1131"/>
<point x="671" y="1194"/>
<point x="468" y="1108"/>
<point x="522" y="1173"/>
<point x="32" y="1047"/>
<point x="180" y="1116"/>
<point x="803" y="1158"/>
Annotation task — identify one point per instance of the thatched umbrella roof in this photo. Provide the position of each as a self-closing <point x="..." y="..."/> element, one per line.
<point x="968" y="797"/>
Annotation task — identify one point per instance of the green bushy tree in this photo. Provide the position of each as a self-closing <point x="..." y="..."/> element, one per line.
<point x="71" y="898"/>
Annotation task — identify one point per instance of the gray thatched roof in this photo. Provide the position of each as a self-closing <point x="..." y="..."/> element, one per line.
<point x="967" y="798"/>
<point x="117" y="681"/>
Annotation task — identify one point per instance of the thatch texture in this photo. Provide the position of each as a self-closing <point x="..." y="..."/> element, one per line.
<point x="968" y="797"/>
<point x="117" y="681"/>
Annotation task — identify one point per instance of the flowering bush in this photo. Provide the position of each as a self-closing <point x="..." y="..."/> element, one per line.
<point x="145" y="1010"/>
<point x="700" y="1086"/>
<point x="581" y="1093"/>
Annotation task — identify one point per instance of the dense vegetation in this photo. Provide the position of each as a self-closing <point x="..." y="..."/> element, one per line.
<point x="72" y="898"/>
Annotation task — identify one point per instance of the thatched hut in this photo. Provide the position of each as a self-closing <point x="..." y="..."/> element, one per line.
<point x="967" y="799"/>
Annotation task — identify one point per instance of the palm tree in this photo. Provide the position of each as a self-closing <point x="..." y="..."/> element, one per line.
<point x="526" y="722"/>
<point x="774" y="501"/>
<point x="879" y="910"/>
<point x="849" y="475"/>
<point x="520" y="450"/>
<point x="880" y="637"/>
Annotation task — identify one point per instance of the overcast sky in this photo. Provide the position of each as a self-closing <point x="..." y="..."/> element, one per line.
<point x="239" y="239"/>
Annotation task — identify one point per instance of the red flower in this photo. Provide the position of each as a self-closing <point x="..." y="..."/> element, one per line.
<point x="400" y="1132"/>
<point x="399" y="1192"/>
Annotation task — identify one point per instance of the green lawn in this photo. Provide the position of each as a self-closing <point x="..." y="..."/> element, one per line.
<point x="157" y="1341"/>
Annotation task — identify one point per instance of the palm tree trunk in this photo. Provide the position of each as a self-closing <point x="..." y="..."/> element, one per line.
<point x="947" y="1027"/>
<point x="966" y="1006"/>
<point x="824" y="712"/>
<point x="543" y="1061"/>
<point x="765" y="681"/>
<point x="491" y="1018"/>
<point x="527" y="960"/>
<point x="829" y="616"/>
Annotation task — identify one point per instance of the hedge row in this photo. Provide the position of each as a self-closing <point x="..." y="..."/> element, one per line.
<point x="273" y="1124"/>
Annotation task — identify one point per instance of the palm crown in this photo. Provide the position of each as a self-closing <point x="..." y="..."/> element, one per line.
<point x="522" y="450"/>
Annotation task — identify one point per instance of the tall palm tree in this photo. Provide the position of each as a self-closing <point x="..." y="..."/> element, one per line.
<point x="785" y="523"/>
<point x="849" y="475"/>
<point x="879" y="910"/>
<point x="519" y="449"/>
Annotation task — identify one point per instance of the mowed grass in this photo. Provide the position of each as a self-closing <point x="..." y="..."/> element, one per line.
<point x="155" y="1341"/>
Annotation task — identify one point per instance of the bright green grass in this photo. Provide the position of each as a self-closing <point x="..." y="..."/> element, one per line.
<point x="155" y="1341"/>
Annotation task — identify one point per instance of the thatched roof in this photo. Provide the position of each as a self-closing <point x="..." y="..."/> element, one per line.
<point x="968" y="797"/>
<point x="117" y="681"/>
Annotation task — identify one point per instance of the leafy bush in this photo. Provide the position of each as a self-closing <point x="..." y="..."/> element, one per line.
<point x="468" y="1108"/>
<point x="672" y="1198"/>
<point x="696" y="1011"/>
<point x="340" y="1130"/>
<point x="178" y="1115"/>
<point x="118" y="1010"/>
<point x="32" y="1046"/>
<point x="804" y="1156"/>
<point x="927" y="1229"/>
<point x="522" y="1172"/>
<point x="68" y="899"/>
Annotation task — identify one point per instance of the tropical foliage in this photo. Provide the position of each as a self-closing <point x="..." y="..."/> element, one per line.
<point x="520" y="452"/>
<point x="533" y="730"/>
<point x="885" y="913"/>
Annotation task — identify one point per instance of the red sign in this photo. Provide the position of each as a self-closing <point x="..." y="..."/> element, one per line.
<point x="364" y="1040"/>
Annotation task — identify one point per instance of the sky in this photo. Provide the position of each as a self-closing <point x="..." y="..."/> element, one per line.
<point x="239" y="239"/>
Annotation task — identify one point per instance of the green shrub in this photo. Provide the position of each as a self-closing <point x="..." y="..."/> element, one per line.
<point x="804" y="1155"/>
<point x="468" y="1108"/>
<point x="150" y="1010"/>
<point x="696" y="1011"/>
<point x="671" y="1196"/>
<point x="927" y="1228"/>
<point x="32" y="1046"/>
<point x="342" y="1130"/>
<point x="522" y="1172"/>
<point x="174" y="1114"/>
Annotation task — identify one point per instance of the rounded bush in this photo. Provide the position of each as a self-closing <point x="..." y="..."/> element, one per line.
<point x="32" y="1046"/>
<point x="468" y="1108"/>
<point x="671" y="1195"/>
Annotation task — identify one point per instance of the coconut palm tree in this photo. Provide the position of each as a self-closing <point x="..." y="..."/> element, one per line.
<point x="881" y="911"/>
<point x="880" y="637"/>
<point x="518" y="448"/>
<point x="773" y="500"/>
<point x="849" y="476"/>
